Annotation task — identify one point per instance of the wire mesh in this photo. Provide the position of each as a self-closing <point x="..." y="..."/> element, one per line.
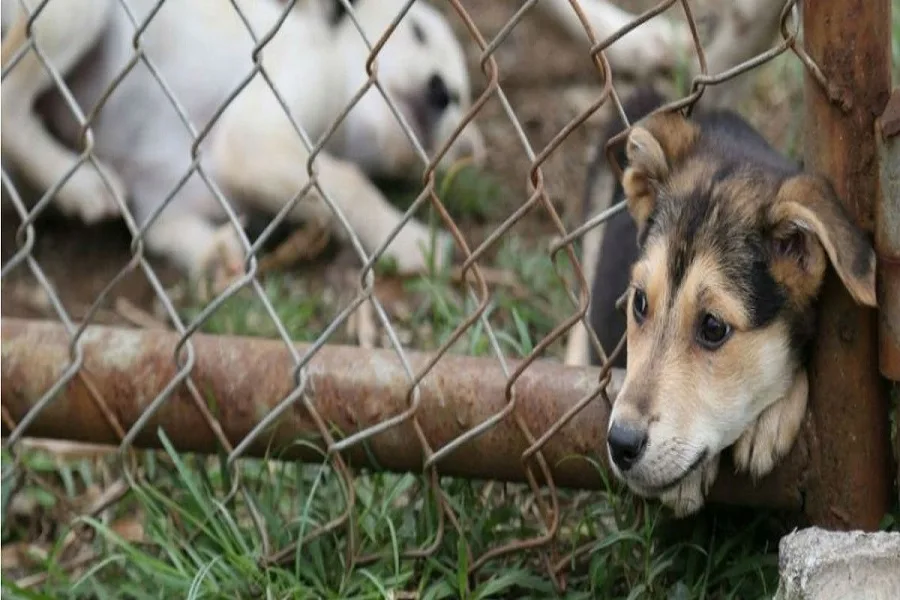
<point x="546" y="525"/>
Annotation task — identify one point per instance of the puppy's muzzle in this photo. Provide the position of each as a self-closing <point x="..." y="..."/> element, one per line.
<point x="437" y="95"/>
<point x="436" y="113"/>
<point x="626" y="444"/>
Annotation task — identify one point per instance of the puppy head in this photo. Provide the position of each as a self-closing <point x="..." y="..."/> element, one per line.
<point x="733" y="250"/>
<point x="422" y="68"/>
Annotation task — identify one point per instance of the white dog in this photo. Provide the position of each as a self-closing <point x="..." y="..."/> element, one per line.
<point x="202" y="50"/>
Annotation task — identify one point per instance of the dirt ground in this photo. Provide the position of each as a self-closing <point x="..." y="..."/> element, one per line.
<point x="548" y="81"/>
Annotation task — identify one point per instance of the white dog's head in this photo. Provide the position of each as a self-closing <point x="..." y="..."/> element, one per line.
<point x="422" y="69"/>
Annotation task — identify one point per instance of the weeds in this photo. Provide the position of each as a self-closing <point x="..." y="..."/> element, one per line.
<point x="198" y="541"/>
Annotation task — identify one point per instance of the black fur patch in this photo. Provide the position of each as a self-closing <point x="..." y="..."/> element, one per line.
<point x="724" y="172"/>
<point x="766" y="298"/>
<point x="610" y="280"/>
<point x="802" y="328"/>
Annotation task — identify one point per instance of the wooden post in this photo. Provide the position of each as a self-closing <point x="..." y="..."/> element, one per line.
<point x="849" y="482"/>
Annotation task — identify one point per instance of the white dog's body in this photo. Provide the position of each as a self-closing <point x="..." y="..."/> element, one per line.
<point x="202" y="51"/>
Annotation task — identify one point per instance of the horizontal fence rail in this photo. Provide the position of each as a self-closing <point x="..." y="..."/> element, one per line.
<point x="351" y="391"/>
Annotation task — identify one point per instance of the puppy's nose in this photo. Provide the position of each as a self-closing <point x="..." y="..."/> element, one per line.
<point x="437" y="93"/>
<point x="626" y="445"/>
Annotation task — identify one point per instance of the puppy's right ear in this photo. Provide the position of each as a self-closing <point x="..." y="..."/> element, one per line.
<point x="654" y="145"/>
<point x="807" y="210"/>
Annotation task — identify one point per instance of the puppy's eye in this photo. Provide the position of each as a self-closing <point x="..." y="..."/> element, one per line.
<point x="713" y="332"/>
<point x="418" y="33"/>
<point x="639" y="305"/>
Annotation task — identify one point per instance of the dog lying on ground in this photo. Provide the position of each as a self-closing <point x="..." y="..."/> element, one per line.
<point x="202" y="51"/>
<point x="723" y="251"/>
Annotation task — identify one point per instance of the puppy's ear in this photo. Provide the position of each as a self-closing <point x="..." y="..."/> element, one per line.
<point x="807" y="218"/>
<point x="654" y="145"/>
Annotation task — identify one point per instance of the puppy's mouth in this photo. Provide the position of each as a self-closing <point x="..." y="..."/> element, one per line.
<point x="420" y="116"/>
<point x="658" y="490"/>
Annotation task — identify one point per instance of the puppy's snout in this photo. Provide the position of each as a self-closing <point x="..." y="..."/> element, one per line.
<point x="626" y="445"/>
<point x="437" y="94"/>
<point x="471" y="145"/>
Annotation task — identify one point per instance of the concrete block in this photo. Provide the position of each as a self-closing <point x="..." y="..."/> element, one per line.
<point x="816" y="564"/>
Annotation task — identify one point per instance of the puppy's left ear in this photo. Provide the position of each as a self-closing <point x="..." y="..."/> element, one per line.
<point x="654" y="146"/>
<point x="807" y="210"/>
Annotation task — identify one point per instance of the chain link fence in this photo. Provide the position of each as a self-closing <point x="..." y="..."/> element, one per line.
<point x="330" y="460"/>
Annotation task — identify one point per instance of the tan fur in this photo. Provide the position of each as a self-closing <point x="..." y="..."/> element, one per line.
<point x="802" y="283"/>
<point x="772" y="434"/>
<point x="650" y="274"/>
<point x="651" y="148"/>
<point x="687" y="177"/>
<point x="809" y="202"/>
<point x="675" y="134"/>
<point x="640" y="195"/>
<point x="646" y="154"/>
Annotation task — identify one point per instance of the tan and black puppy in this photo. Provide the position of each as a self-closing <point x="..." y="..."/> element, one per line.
<point x="733" y="241"/>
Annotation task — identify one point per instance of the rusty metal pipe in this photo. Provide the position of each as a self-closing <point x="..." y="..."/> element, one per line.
<point x="851" y="476"/>
<point x="244" y="378"/>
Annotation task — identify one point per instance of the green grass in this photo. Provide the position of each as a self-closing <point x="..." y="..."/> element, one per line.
<point x="199" y="543"/>
<point x="302" y="311"/>
<point x="467" y="192"/>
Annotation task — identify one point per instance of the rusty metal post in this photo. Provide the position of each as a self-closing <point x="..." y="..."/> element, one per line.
<point x="242" y="379"/>
<point x="849" y="484"/>
<point x="887" y="237"/>
<point x="887" y="246"/>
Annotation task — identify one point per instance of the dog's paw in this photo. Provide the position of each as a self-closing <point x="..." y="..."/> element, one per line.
<point x="221" y="264"/>
<point x="690" y="495"/>
<point x="773" y="433"/>
<point x="86" y="196"/>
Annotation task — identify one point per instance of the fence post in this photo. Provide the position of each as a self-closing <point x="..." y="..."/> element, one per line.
<point x="887" y="245"/>
<point x="849" y="485"/>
